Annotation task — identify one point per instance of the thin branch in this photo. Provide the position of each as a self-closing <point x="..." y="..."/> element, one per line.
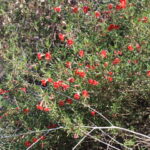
<point x="82" y="140"/>
<point x="124" y="129"/>
<point x="31" y="132"/>
<point x="101" y="141"/>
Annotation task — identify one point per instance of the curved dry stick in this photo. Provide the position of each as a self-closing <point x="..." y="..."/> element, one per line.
<point x="120" y="128"/>
<point x="101" y="141"/>
<point x="31" y="132"/>
<point x="82" y="140"/>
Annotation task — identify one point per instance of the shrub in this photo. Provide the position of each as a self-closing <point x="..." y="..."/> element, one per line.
<point x="69" y="64"/>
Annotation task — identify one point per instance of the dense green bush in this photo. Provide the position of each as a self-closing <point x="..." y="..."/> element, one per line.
<point x="68" y="63"/>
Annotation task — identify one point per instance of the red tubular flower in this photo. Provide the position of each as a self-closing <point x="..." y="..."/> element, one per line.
<point x="123" y="3"/>
<point x="118" y="7"/>
<point x="113" y="27"/>
<point x="27" y="143"/>
<point x="85" y="93"/>
<point x="39" y="56"/>
<point x="71" y="80"/>
<point x="93" y="113"/>
<point x="81" y="53"/>
<point x="103" y="53"/>
<point x="26" y="110"/>
<point x="110" y="73"/>
<point x="105" y="64"/>
<point x="23" y="89"/>
<point x="144" y="19"/>
<point x="57" y="84"/>
<point x="97" y="14"/>
<point x="57" y="9"/>
<point x="93" y="82"/>
<point x="80" y="73"/>
<point x="75" y="9"/>
<point x="68" y="64"/>
<point x="39" y="107"/>
<point x="110" y="79"/>
<point x="110" y="6"/>
<point x="3" y="91"/>
<point x="70" y="42"/>
<point x="34" y="140"/>
<point x="138" y="46"/>
<point x="43" y="82"/>
<point x="48" y="56"/>
<point x="148" y="73"/>
<point x="86" y="9"/>
<point x="69" y="101"/>
<point x="76" y="96"/>
<point x="65" y="86"/>
<point x="50" y="80"/>
<point x="47" y="109"/>
<point x="61" y="36"/>
<point x="130" y="48"/>
<point x="117" y="52"/>
<point x="61" y="103"/>
<point x="116" y="61"/>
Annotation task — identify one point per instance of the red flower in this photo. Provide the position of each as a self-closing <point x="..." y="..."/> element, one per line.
<point x="85" y="93"/>
<point x="117" y="52"/>
<point x="130" y="48"/>
<point x="43" y="82"/>
<point x="93" y="113"/>
<point x="110" y="79"/>
<point x="39" y="56"/>
<point x="57" y="84"/>
<point x="76" y="96"/>
<point x="71" y="80"/>
<point x="110" y="6"/>
<point x="61" y="36"/>
<point x="81" y="53"/>
<point x="69" y="101"/>
<point x="113" y="27"/>
<point x="123" y="3"/>
<point x="23" y="89"/>
<point x="116" y="61"/>
<point x="70" y="42"/>
<point x="97" y="14"/>
<point x="80" y="73"/>
<point x="86" y="9"/>
<point x="138" y="46"/>
<point x="34" y="140"/>
<point x="26" y="110"/>
<point x="46" y="109"/>
<point x="93" y="82"/>
<point x="68" y="64"/>
<point x="75" y="9"/>
<point x="103" y="53"/>
<point x="144" y="19"/>
<point x="48" y="56"/>
<point x="39" y="107"/>
<point x="110" y="73"/>
<point x="50" y="80"/>
<point x="61" y="103"/>
<point x="57" y="9"/>
<point x="148" y="73"/>
<point x="105" y="64"/>
<point x="118" y="7"/>
<point x="65" y="86"/>
<point x="27" y="143"/>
